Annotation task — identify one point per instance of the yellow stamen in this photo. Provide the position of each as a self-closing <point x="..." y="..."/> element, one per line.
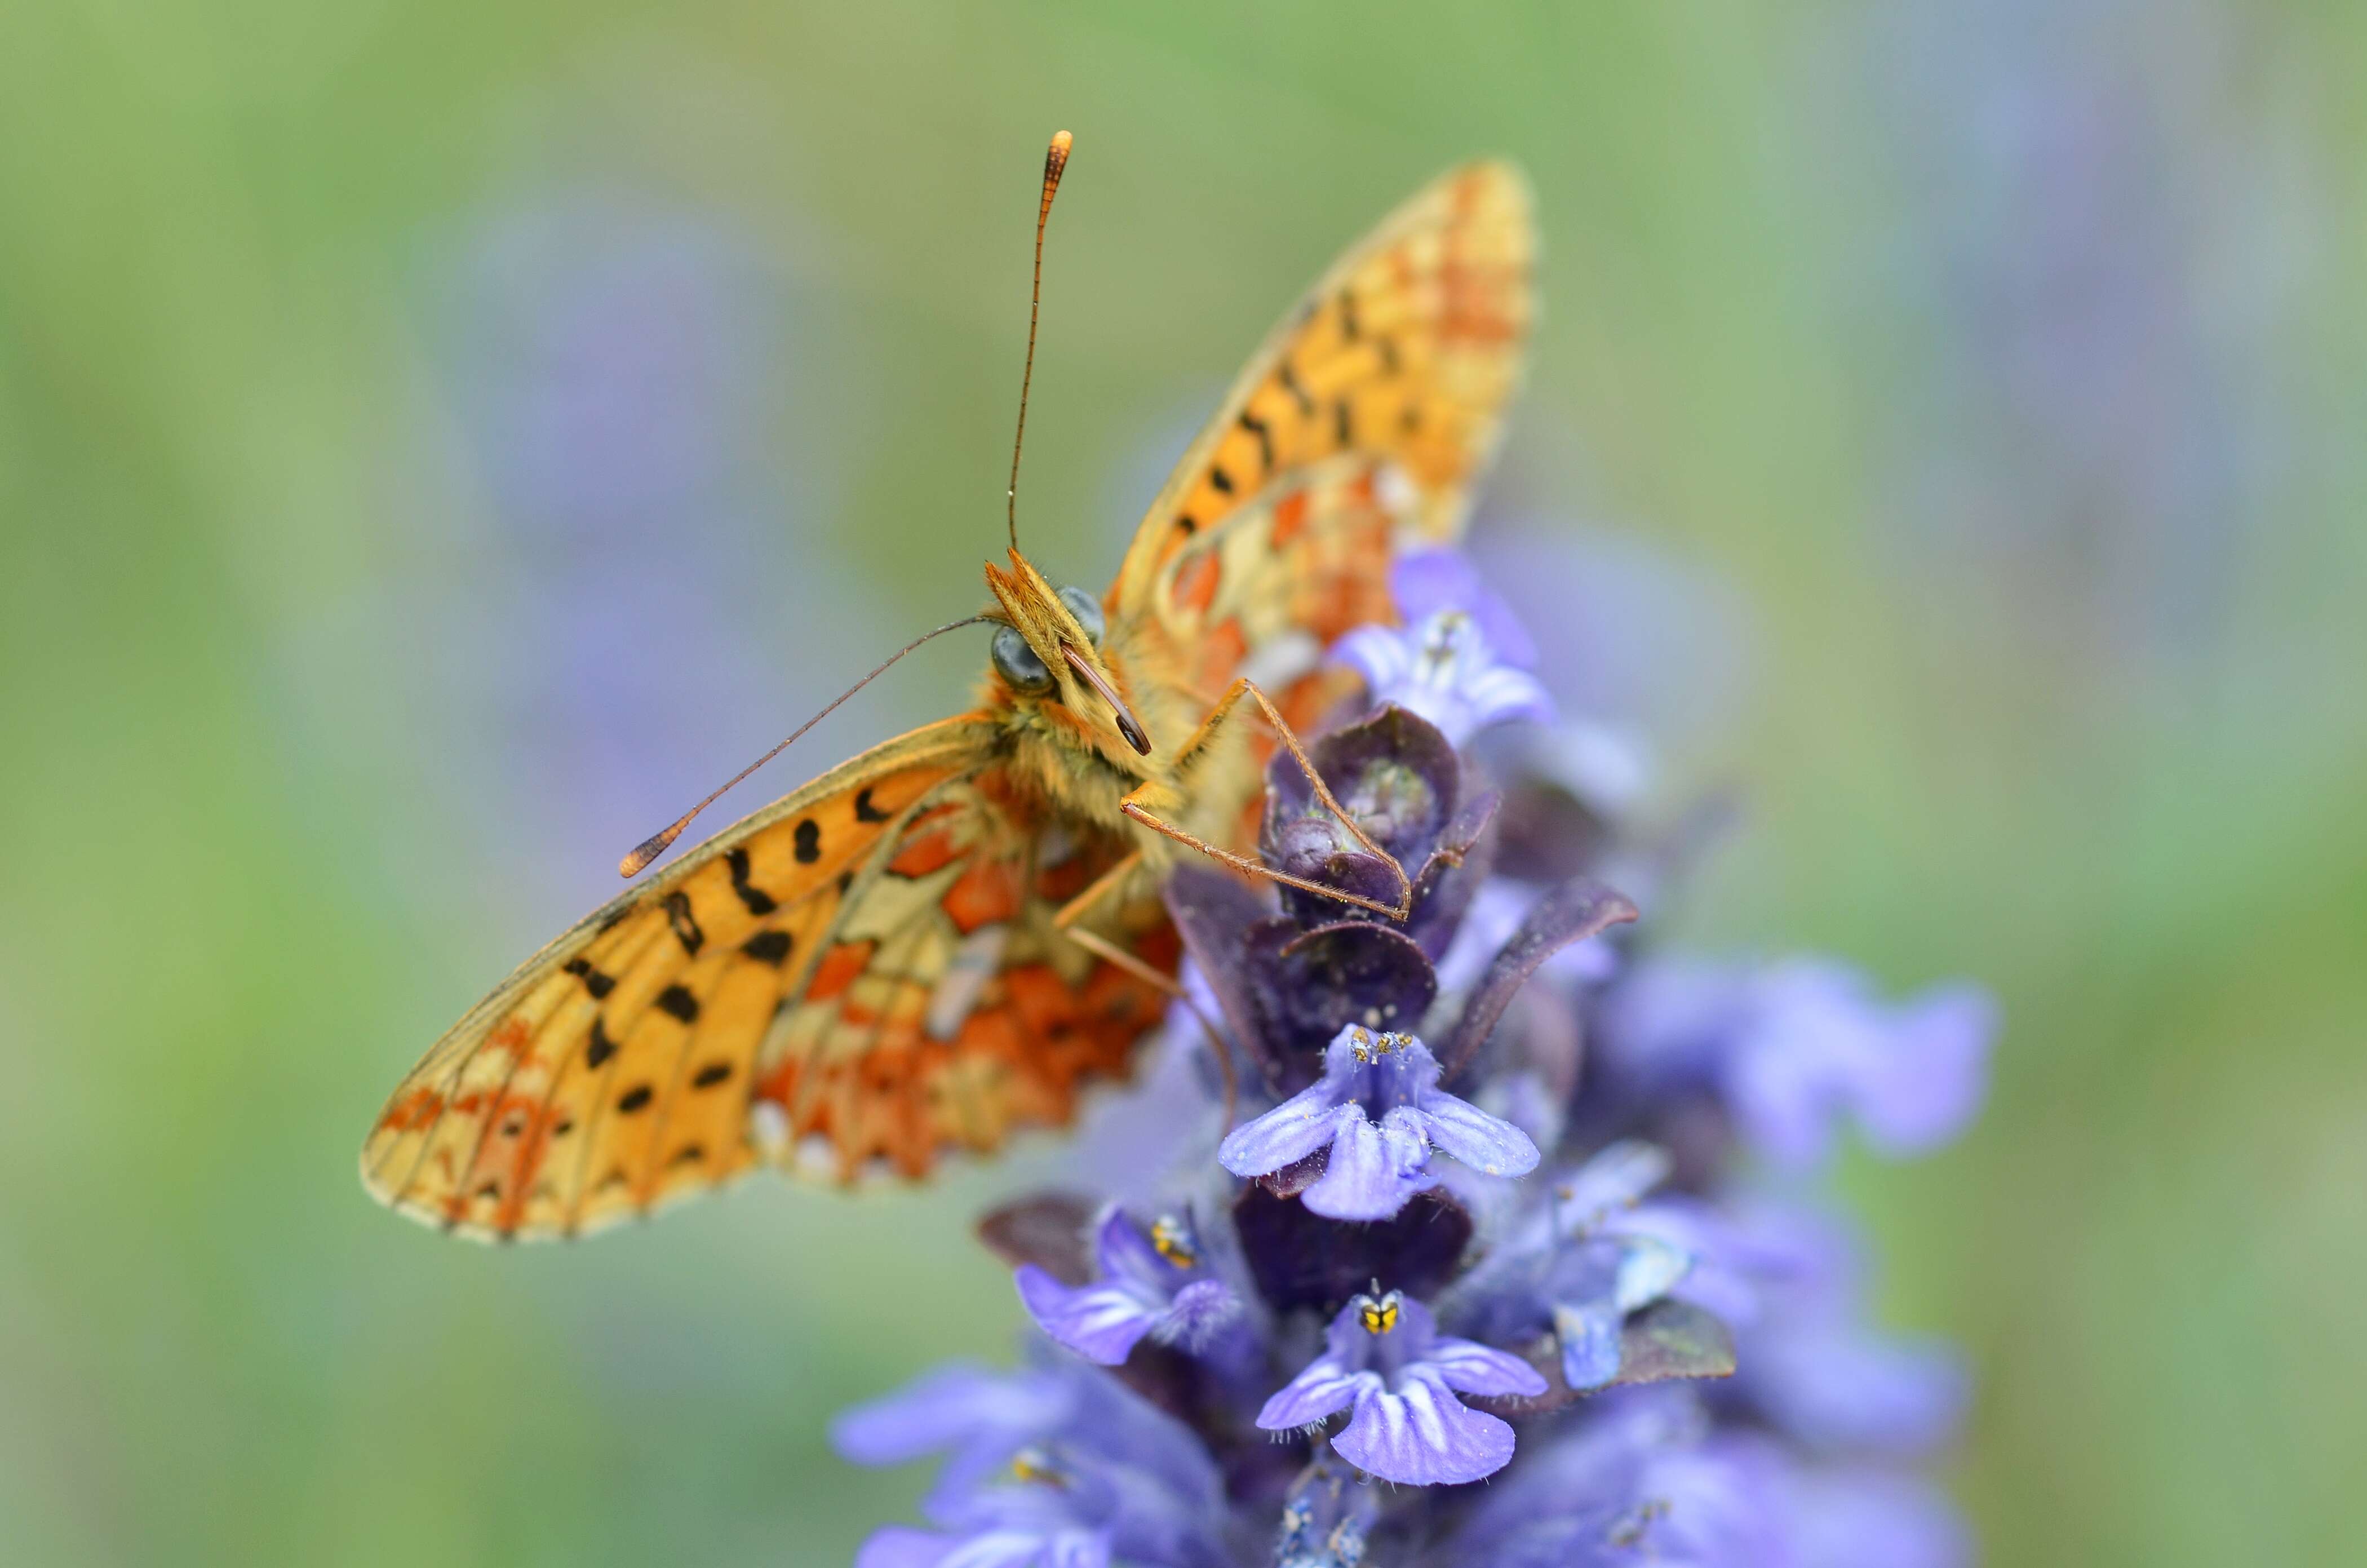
<point x="1174" y="1243"/>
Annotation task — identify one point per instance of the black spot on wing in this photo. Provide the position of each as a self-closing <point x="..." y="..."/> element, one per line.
<point x="678" y="1001"/>
<point x="1287" y="379"/>
<point x="634" y="1099"/>
<point x="1343" y="430"/>
<point x="864" y="810"/>
<point x="596" y="984"/>
<point x="768" y="947"/>
<point x="685" y="924"/>
<point x="1256" y="427"/>
<point x="1349" y="330"/>
<point x="758" y="901"/>
<point x="599" y="1048"/>
<point x="711" y="1074"/>
<point x="809" y="841"/>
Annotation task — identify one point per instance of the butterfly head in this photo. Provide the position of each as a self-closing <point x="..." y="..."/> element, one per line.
<point x="1048" y="650"/>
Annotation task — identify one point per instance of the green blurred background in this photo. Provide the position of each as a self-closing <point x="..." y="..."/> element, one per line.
<point x="437" y="441"/>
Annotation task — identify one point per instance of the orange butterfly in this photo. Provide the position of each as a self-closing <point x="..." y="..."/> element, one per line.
<point x="940" y="940"/>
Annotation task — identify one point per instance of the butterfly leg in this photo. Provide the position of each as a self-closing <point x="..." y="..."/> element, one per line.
<point x="1134" y="806"/>
<point x="1065" y="921"/>
<point x="1093" y="942"/>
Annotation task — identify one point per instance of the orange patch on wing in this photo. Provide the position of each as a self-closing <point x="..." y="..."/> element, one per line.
<point x="985" y="893"/>
<point x="1221" y="652"/>
<point x="838" y="969"/>
<point x="418" y="1109"/>
<point x="1196" y="581"/>
<point x="1289" y="517"/>
<point x="931" y="851"/>
<point x="1059" y="883"/>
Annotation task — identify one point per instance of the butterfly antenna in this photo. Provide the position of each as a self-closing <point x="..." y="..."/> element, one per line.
<point x="656" y="844"/>
<point x="1056" y="159"/>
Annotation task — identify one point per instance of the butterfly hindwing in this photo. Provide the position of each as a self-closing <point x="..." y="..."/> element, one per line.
<point x="946" y="1010"/>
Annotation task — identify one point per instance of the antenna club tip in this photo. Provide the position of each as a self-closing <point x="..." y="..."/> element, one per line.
<point x="638" y="858"/>
<point x="1057" y="157"/>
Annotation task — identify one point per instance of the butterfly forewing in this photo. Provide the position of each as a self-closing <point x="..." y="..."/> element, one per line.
<point x="1355" y="432"/>
<point x="1396" y="368"/>
<point x="615" y="1068"/>
<point x="948" y="1011"/>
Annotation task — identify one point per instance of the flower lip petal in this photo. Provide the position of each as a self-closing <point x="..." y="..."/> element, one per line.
<point x="1100" y="1323"/>
<point x="1323" y="1387"/>
<point x="1616" y="1177"/>
<point x="1421" y="1435"/>
<point x="1199" y="1311"/>
<point x="1374" y="1170"/>
<point x="1307" y="1122"/>
<point x="951" y="1406"/>
<point x="1469" y="1367"/>
<point x="1475" y="1139"/>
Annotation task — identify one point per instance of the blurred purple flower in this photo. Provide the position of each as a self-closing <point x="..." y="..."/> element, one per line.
<point x="1459" y="660"/>
<point x="1788" y="1281"/>
<point x="1055" y="1467"/>
<point x="1424" y="583"/>
<point x="1794" y="1046"/>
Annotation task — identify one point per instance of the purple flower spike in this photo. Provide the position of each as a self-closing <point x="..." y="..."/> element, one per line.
<point x="1444" y="670"/>
<point x="1378" y="1110"/>
<point x="1795" y="1047"/>
<point x="1605" y="1354"/>
<point x="1386" y="1362"/>
<point x="1153" y="1284"/>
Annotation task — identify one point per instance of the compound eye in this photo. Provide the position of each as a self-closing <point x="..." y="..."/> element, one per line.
<point x="1017" y="662"/>
<point x="1088" y="612"/>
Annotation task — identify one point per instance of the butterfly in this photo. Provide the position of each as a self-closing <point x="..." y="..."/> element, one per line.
<point x="945" y="938"/>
